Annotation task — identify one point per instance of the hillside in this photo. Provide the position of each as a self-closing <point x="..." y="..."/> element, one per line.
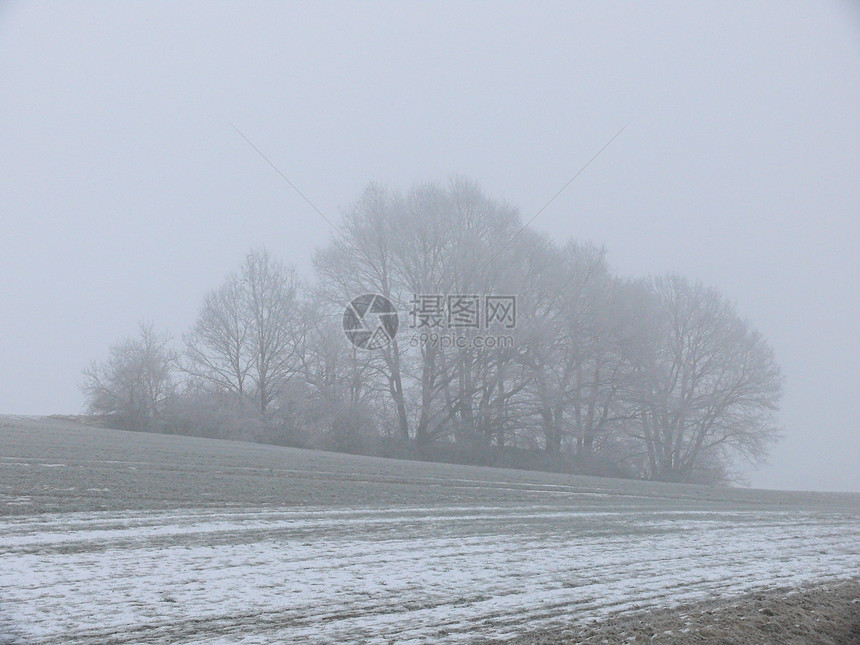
<point x="110" y="536"/>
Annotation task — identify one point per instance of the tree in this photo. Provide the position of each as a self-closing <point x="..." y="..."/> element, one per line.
<point x="246" y="337"/>
<point x="360" y="261"/>
<point x="134" y="384"/>
<point x="218" y="348"/>
<point x="574" y="348"/>
<point x="341" y="380"/>
<point x="434" y="240"/>
<point x="708" y="388"/>
<point x="660" y="377"/>
<point x="270" y="291"/>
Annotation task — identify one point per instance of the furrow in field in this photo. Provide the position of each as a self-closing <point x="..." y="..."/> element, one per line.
<point x="368" y="575"/>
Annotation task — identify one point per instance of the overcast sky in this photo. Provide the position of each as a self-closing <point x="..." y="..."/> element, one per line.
<point x="126" y="194"/>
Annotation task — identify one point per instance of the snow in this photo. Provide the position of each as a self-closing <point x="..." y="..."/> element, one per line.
<point x="370" y="575"/>
<point x="143" y="538"/>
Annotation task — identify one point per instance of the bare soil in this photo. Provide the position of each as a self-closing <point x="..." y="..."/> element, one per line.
<point x="827" y="614"/>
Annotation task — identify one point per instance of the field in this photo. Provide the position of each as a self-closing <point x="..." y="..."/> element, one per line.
<point x="116" y="537"/>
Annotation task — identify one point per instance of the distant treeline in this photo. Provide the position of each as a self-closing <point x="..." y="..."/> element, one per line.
<point x="512" y="349"/>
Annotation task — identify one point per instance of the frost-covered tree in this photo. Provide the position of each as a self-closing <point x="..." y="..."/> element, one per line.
<point x="246" y="337"/>
<point x="708" y="385"/>
<point x="136" y="381"/>
<point x="218" y="349"/>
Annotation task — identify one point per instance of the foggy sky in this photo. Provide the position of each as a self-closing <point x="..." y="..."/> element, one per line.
<point x="126" y="194"/>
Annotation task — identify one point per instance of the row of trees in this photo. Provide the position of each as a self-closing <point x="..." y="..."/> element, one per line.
<point x="656" y="378"/>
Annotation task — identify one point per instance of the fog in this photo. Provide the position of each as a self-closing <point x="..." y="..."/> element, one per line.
<point x="126" y="192"/>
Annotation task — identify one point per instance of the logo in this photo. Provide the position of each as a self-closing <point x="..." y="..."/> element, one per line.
<point x="370" y="321"/>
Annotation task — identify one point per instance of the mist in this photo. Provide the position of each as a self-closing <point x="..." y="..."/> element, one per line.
<point x="126" y="191"/>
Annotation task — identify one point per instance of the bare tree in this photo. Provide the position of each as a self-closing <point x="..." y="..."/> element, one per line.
<point x="133" y="385"/>
<point x="343" y="381"/>
<point x="604" y="343"/>
<point x="361" y="261"/>
<point x="456" y="240"/>
<point x="662" y="375"/>
<point x="218" y="349"/>
<point x="710" y="386"/>
<point x="246" y="337"/>
<point x="572" y="351"/>
<point x="270" y="293"/>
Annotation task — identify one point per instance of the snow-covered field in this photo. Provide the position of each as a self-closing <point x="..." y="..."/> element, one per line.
<point x="112" y="537"/>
